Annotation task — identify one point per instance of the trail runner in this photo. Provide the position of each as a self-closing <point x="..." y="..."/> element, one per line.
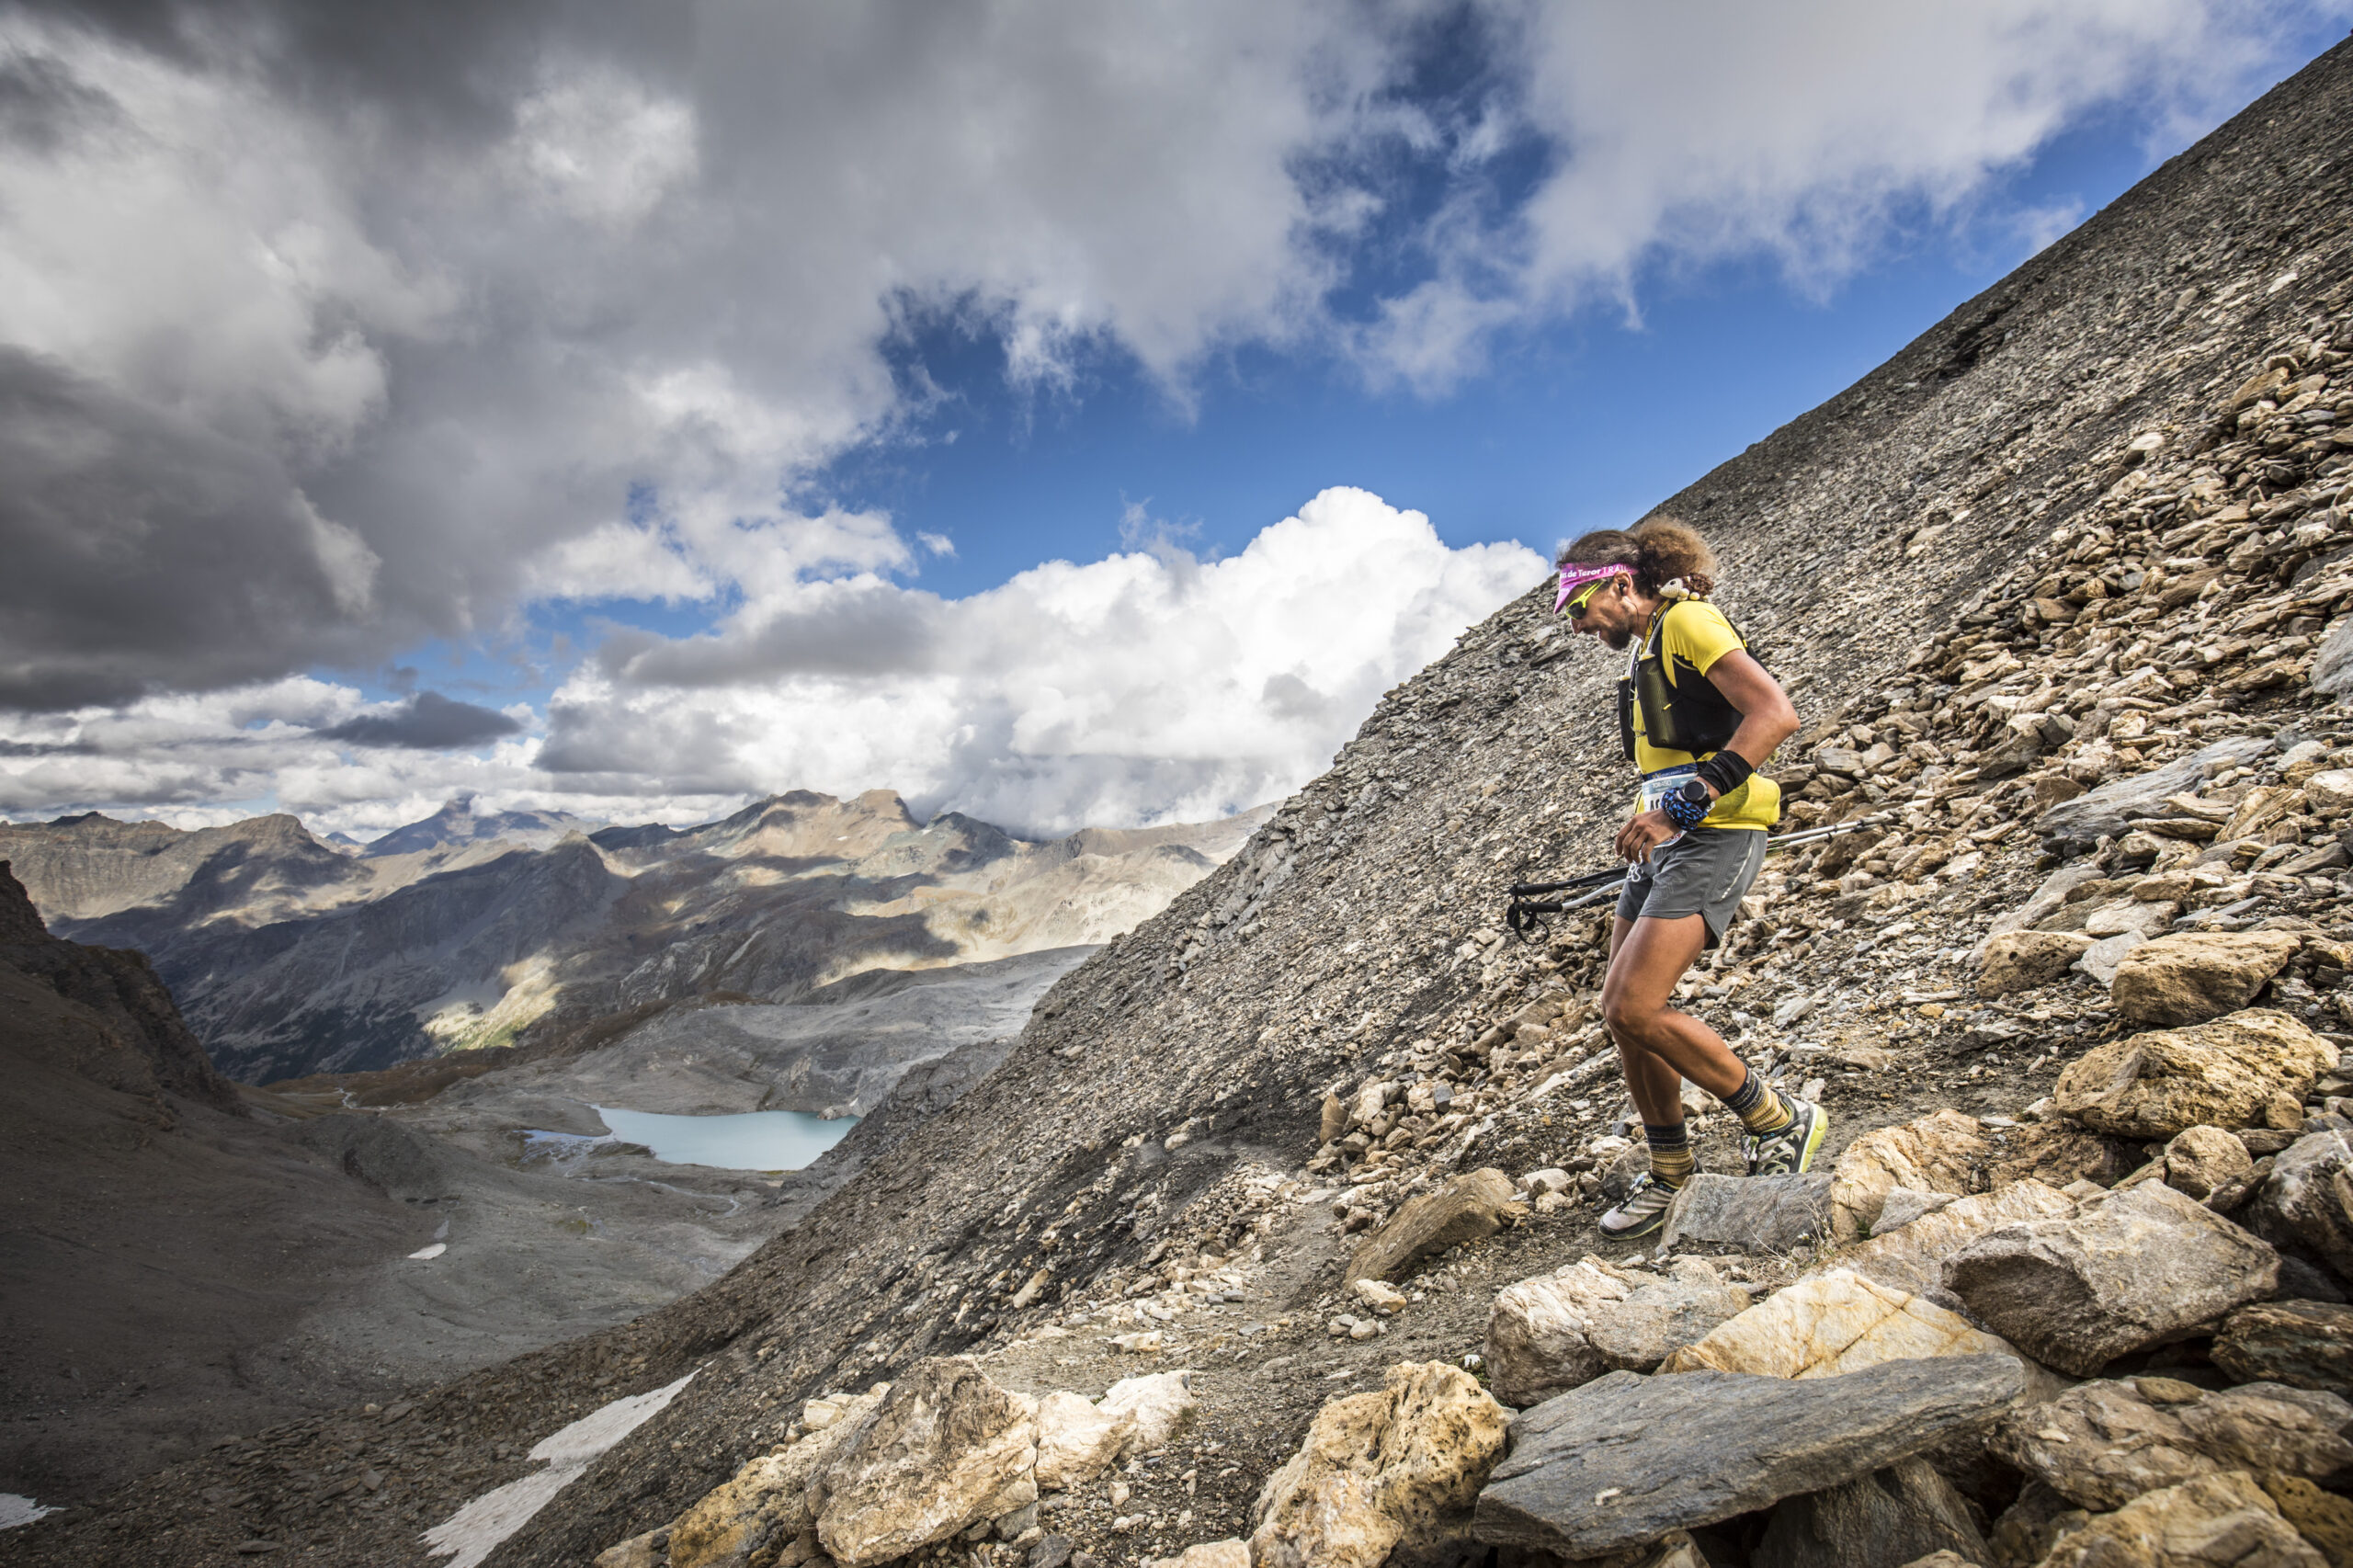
<point x="1697" y="713"/>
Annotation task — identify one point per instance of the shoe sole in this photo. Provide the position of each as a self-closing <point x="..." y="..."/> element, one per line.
<point x="1814" y="1138"/>
<point x="1634" y="1232"/>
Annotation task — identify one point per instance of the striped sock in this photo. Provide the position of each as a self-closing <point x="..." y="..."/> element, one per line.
<point x="1759" y="1108"/>
<point x="1672" y="1161"/>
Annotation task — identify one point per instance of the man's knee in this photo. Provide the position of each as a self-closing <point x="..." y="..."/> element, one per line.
<point x="1628" y="1021"/>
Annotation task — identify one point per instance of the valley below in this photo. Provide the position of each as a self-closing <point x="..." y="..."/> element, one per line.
<point x="260" y="1249"/>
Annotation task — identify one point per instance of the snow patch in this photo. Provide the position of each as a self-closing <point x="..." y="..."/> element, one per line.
<point x="474" y="1531"/>
<point x="436" y="1250"/>
<point x="16" y="1510"/>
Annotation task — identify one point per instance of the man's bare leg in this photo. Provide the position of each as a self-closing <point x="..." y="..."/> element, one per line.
<point x="1657" y="1043"/>
<point x="1658" y="1047"/>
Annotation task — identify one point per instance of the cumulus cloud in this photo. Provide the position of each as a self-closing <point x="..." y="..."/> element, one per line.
<point x="1813" y="135"/>
<point x="1148" y="687"/>
<point x="427" y="721"/>
<point x="1152" y="686"/>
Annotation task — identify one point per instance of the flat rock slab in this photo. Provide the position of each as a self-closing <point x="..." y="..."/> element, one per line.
<point x="1626" y="1458"/>
<point x="2195" y="975"/>
<point x="1465" y="1209"/>
<point x="2306" y="1344"/>
<point x="1757" y="1215"/>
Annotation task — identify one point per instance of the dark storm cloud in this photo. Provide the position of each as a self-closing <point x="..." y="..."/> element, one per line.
<point x="427" y="722"/>
<point x="851" y="630"/>
<point x="143" y="549"/>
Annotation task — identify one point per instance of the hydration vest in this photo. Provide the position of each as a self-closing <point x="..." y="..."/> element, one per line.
<point x="1696" y="718"/>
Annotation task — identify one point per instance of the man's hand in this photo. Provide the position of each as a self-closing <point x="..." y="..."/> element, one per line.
<point x="1643" y="833"/>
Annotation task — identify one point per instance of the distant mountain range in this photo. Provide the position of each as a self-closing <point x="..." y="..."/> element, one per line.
<point x="455" y="824"/>
<point x="291" y="956"/>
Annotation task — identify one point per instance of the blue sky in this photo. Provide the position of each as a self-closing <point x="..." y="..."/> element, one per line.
<point x="640" y="405"/>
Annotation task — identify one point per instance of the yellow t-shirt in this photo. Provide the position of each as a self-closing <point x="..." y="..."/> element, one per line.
<point x="1695" y="636"/>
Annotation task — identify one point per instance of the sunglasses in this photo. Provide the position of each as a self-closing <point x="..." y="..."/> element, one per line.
<point x="1575" y="610"/>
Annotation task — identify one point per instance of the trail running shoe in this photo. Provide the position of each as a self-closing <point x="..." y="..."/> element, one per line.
<point x="1792" y="1149"/>
<point x="1642" y="1210"/>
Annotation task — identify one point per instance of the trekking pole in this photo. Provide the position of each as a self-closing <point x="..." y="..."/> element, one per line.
<point x="1523" y="916"/>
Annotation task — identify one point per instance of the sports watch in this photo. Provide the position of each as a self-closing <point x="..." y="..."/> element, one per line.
<point x="1689" y="805"/>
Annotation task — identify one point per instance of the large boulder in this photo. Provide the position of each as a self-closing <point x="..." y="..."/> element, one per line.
<point x="1945" y="1152"/>
<point x="1626" y="1458"/>
<point x="2022" y="961"/>
<point x="2224" y="1073"/>
<point x="2192" y="976"/>
<point x="1550" y="1334"/>
<point x="1395" y="1471"/>
<point x="1077" y="1439"/>
<point x="763" y="1509"/>
<point x="1911" y="1259"/>
<point x="2130" y="1269"/>
<point x="1538" y="1330"/>
<point x="1833" y="1323"/>
<point x="1467" y="1209"/>
<point x="2102" y="1444"/>
<point x="1160" y="1404"/>
<point x="1897" y="1515"/>
<point x="2210" y="1521"/>
<point x="2306" y="1203"/>
<point x="946" y="1449"/>
<point x="2305" y="1345"/>
<point x="1757" y="1215"/>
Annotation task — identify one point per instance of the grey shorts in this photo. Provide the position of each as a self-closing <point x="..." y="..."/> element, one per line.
<point x="1706" y="872"/>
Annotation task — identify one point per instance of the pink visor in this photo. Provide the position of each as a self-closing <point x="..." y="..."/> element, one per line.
<point x="1575" y="577"/>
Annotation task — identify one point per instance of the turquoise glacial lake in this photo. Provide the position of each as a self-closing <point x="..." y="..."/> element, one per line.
<point x="753" y="1141"/>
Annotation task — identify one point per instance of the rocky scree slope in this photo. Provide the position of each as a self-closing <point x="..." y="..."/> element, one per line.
<point x="2085" y="530"/>
<point x="159" y="1243"/>
<point x="293" y="959"/>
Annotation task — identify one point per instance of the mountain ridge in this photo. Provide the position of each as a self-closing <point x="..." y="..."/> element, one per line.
<point x="293" y="959"/>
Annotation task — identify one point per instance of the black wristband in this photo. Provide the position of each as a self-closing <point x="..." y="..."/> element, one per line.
<point x="1727" y="771"/>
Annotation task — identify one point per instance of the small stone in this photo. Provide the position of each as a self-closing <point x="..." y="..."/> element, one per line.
<point x="1940" y="1153"/>
<point x="2307" y="1200"/>
<point x="1077" y="1440"/>
<point x="2201" y="1158"/>
<point x="1378" y="1295"/>
<point x="945" y="1449"/>
<point x="2022" y="961"/>
<point x="1912" y="1258"/>
<point x="2101" y="1444"/>
<point x="1757" y="1215"/>
<point x="1162" y="1404"/>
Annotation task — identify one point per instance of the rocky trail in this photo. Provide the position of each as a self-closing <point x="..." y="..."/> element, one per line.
<point x="1271" y="1241"/>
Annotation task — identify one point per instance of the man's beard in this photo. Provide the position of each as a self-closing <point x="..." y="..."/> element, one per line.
<point x="1620" y="638"/>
